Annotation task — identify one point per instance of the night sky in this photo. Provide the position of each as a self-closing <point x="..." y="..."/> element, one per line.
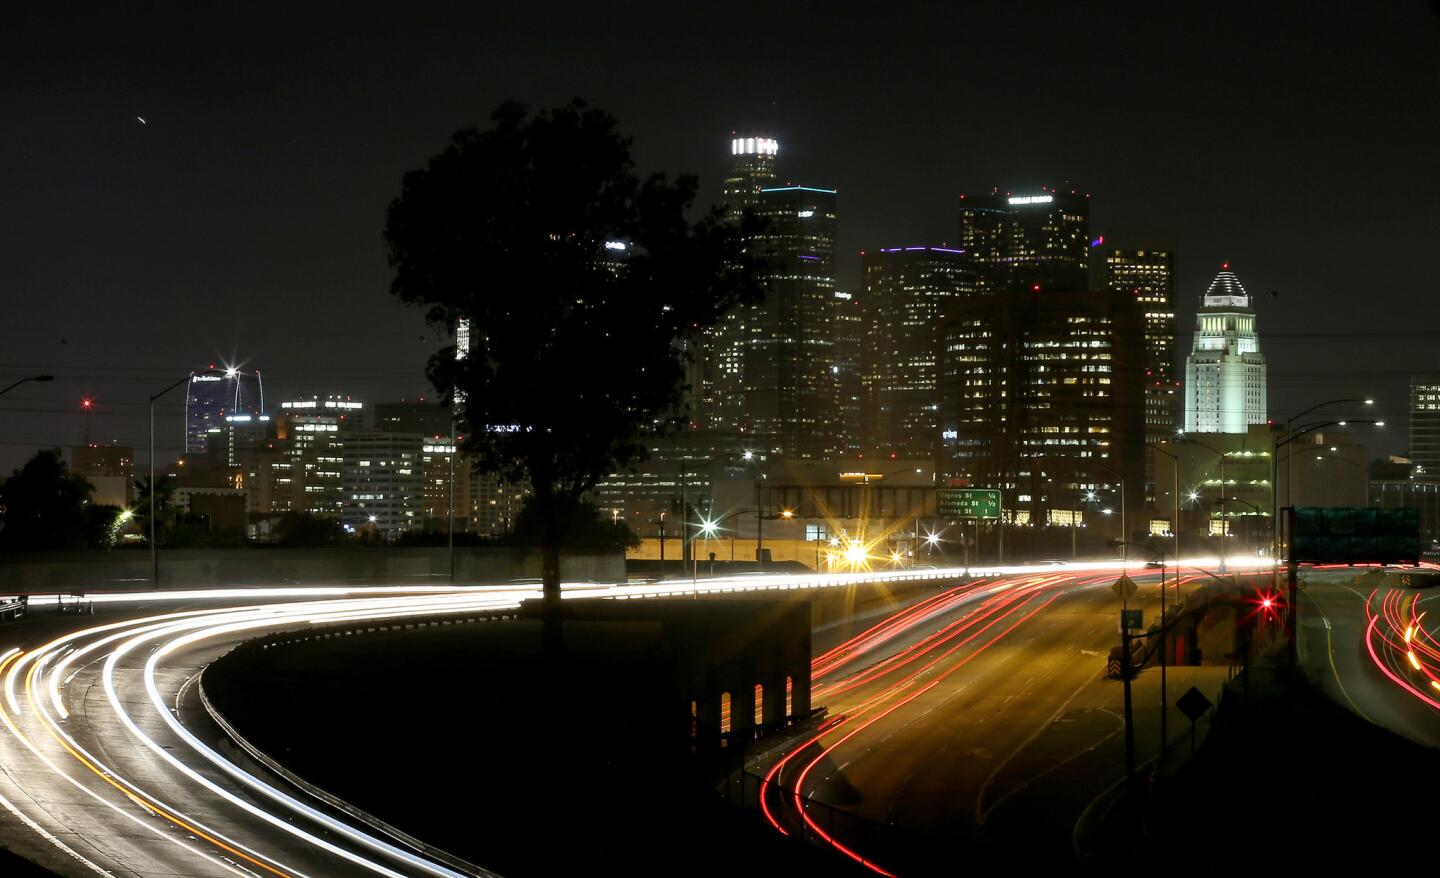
<point x="241" y="222"/>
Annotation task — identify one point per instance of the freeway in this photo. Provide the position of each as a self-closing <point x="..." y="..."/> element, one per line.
<point x="109" y="763"/>
<point x="1371" y="645"/>
<point x="978" y="721"/>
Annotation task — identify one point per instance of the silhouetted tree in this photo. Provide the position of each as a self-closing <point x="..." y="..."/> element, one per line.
<point x="46" y="506"/>
<point x="164" y="506"/>
<point x="306" y="530"/>
<point x="579" y="280"/>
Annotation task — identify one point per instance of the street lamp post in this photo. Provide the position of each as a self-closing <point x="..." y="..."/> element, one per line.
<point x="450" y="505"/>
<point x="1292" y="622"/>
<point x="1224" y="489"/>
<point x="1275" y="463"/>
<point x="1258" y="513"/>
<point x="1164" y="659"/>
<point x="36" y="378"/>
<point x="154" y="547"/>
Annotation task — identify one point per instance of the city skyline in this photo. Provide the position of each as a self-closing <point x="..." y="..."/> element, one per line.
<point x="237" y="232"/>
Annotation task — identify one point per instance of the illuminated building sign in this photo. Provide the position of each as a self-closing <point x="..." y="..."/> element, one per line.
<point x="1031" y="199"/>
<point x="754" y="146"/>
<point x="207" y="377"/>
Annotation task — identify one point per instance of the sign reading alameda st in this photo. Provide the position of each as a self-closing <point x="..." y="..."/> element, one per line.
<point x="968" y="503"/>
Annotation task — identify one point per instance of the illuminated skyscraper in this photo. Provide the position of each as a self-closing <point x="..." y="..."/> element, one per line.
<point x="752" y="169"/>
<point x="384" y="482"/>
<point x="1225" y="373"/>
<point x="1038" y="387"/>
<point x="1023" y="240"/>
<point x="907" y="293"/>
<point x="769" y="369"/>
<point x="293" y="461"/>
<point x="1425" y="426"/>
<point x="848" y="328"/>
<point x="210" y="396"/>
<point x="1147" y="275"/>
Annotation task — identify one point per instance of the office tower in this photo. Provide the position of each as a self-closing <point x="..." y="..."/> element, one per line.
<point x="109" y="468"/>
<point x="1148" y="276"/>
<point x="1027" y="240"/>
<point x="418" y="416"/>
<point x="752" y="169"/>
<point x="440" y="460"/>
<point x="908" y="291"/>
<point x="769" y="369"/>
<point x="1041" y="397"/>
<point x="210" y="396"/>
<point x="1225" y="373"/>
<point x="383" y="482"/>
<point x="293" y="461"/>
<point x="848" y="328"/>
<point x="1425" y="426"/>
<point x="789" y="384"/>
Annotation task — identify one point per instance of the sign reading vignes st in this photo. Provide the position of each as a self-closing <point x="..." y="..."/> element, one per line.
<point x="968" y="503"/>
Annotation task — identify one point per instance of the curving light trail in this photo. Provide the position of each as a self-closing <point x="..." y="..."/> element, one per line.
<point x="1400" y="645"/>
<point x="905" y="656"/>
<point x="95" y="711"/>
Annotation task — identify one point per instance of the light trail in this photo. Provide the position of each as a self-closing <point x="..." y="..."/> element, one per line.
<point x="37" y="711"/>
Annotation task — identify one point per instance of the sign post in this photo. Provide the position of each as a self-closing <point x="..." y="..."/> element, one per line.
<point x="980" y="504"/>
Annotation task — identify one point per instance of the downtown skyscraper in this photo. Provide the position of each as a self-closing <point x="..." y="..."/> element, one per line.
<point x="1040" y="239"/>
<point x="907" y="294"/>
<point x="1148" y="276"/>
<point x="769" y="368"/>
<point x="1225" y="373"/>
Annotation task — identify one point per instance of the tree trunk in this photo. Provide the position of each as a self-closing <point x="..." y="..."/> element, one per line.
<point x="553" y="640"/>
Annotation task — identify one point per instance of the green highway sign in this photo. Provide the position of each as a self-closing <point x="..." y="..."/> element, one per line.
<point x="968" y="503"/>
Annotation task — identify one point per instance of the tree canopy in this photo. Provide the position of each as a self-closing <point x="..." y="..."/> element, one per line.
<point x="47" y="507"/>
<point x="580" y="282"/>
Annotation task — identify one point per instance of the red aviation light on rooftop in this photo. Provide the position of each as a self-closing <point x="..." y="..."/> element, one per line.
<point x="1224" y="266"/>
<point x="87" y="403"/>
<point x="1035" y="287"/>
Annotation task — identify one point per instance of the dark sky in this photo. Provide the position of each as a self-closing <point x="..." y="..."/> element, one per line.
<point x="242" y="221"/>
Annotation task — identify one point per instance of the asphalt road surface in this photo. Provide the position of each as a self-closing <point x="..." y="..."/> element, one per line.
<point x="1353" y="642"/>
<point x="109" y="763"/>
<point x="974" y="728"/>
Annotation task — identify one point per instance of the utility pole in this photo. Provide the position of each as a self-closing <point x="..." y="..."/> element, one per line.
<point x="450" y="504"/>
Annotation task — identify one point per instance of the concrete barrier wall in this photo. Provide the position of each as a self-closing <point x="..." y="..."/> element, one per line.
<point x="122" y="569"/>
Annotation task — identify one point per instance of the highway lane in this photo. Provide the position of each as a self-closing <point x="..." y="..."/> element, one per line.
<point x="108" y="767"/>
<point x="1000" y="726"/>
<point x="99" y="776"/>
<point x="1352" y="644"/>
<point x="98" y="770"/>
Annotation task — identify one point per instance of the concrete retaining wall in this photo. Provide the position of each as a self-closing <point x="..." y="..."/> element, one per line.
<point x="123" y="569"/>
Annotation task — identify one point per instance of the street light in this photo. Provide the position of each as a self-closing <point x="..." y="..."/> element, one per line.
<point x="40" y="379"/>
<point x="1224" y="489"/>
<point x="1292" y="622"/>
<point x="154" y="546"/>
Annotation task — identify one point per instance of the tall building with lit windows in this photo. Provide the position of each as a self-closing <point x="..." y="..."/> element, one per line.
<point x="383" y="482"/>
<point x="769" y="369"/>
<point x="211" y="396"/>
<point x="719" y="393"/>
<point x="293" y="461"/>
<point x="908" y="292"/>
<point x="1225" y="373"/>
<point x="1023" y="240"/>
<point x="1040" y="396"/>
<point x="1425" y="426"/>
<point x="848" y="331"/>
<point x="1148" y="276"/>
